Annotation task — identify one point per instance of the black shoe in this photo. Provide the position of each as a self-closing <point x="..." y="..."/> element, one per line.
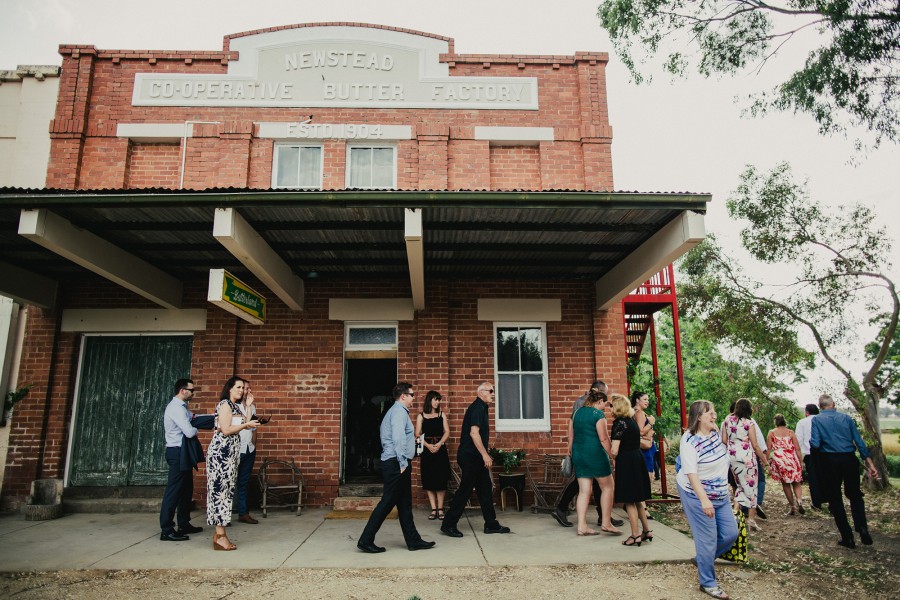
<point x="847" y="544"/>
<point x="173" y="537"/>
<point x="561" y="517"/>
<point x="421" y="545"/>
<point x="451" y="531"/>
<point x="189" y="529"/>
<point x="864" y="536"/>
<point x="370" y="547"/>
<point x="615" y="522"/>
<point x="498" y="529"/>
<point x="760" y="513"/>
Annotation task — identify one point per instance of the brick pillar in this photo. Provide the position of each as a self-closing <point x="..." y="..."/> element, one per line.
<point x="234" y="154"/>
<point x="432" y="140"/>
<point x="67" y="129"/>
<point x="468" y="161"/>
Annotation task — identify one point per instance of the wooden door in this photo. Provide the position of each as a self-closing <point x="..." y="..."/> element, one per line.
<point x="125" y="384"/>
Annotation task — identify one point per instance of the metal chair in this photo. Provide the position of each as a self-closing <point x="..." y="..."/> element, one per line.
<point x="546" y="481"/>
<point x="281" y="484"/>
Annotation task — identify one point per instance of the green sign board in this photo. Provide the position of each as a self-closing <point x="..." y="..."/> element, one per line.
<point x="235" y="296"/>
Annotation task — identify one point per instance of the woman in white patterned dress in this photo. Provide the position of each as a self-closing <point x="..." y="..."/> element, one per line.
<point x="739" y="437"/>
<point x="222" y="461"/>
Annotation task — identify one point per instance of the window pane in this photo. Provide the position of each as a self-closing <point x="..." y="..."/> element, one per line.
<point x="508" y="397"/>
<point x="507" y="349"/>
<point x="286" y="169"/>
<point x="532" y="350"/>
<point x="310" y="167"/>
<point x="373" y="335"/>
<point x="533" y="396"/>
<point x="383" y="167"/>
<point x="360" y="167"/>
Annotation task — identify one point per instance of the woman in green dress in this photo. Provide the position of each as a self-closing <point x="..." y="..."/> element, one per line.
<point x="590" y="460"/>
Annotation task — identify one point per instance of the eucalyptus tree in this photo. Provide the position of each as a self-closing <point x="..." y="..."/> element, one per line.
<point x="821" y="269"/>
<point x="849" y="74"/>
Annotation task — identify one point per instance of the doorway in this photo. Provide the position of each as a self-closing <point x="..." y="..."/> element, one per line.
<point x="367" y="396"/>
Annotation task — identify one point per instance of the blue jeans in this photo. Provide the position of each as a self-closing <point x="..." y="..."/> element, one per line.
<point x="712" y="536"/>
<point x="245" y="469"/>
<point x="761" y="484"/>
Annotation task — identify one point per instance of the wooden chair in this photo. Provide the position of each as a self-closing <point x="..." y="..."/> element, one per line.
<point x="281" y="484"/>
<point x="546" y="481"/>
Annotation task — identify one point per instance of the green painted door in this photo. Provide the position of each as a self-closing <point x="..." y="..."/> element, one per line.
<point x="124" y="387"/>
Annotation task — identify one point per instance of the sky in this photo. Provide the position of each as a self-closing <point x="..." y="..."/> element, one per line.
<point x="670" y="136"/>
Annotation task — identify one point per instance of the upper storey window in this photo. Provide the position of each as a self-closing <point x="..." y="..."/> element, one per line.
<point x="372" y="167"/>
<point x="297" y="166"/>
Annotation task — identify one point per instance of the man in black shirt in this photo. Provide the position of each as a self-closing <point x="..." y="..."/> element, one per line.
<point x="475" y="464"/>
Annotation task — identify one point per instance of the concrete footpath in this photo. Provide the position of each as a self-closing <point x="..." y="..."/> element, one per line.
<point x="286" y="541"/>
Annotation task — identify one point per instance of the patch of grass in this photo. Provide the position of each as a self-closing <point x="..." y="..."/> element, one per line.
<point x="890" y="442"/>
<point x="868" y="574"/>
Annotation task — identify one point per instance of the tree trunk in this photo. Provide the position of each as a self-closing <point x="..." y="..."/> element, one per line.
<point x="868" y="412"/>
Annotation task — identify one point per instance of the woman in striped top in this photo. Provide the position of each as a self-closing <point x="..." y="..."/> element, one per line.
<point x="703" y="487"/>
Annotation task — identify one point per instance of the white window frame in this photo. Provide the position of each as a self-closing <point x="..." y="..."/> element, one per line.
<point x="351" y="147"/>
<point x="370" y="325"/>
<point x="501" y="425"/>
<point x="278" y="147"/>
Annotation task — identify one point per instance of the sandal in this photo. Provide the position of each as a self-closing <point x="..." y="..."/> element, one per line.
<point x="433" y="514"/>
<point x="218" y="546"/>
<point x="633" y="540"/>
<point x="715" y="592"/>
<point x="587" y="532"/>
<point x="610" y="531"/>
<point x="440" y="514"/>
<point x="647" y="536"/>
<point x="752" y="525"/>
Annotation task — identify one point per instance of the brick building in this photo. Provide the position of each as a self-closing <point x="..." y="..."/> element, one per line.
<point x="390" y="209"/>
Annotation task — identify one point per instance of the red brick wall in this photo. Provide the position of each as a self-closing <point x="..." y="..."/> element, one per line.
<point x="515" y="168"/>
<point x="153" y="166"/>
<point x="95" y="96"/>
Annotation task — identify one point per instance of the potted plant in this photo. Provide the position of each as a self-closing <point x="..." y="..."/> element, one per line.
<point x="508" y="459"/>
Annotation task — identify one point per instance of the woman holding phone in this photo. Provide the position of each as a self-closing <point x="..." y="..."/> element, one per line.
<point x="222" y="460"/>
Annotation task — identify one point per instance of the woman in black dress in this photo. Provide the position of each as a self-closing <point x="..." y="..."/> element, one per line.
<point x="632" y="480"/>
<point x="435" y="466"/>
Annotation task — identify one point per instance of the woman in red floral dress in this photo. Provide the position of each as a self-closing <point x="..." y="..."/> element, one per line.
<point x="784" y="463"/>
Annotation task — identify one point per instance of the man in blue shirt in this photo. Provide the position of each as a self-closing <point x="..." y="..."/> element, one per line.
<point x="398" y="447"/>
<point x="834" y="442"/>
<point x="180" y="483"/>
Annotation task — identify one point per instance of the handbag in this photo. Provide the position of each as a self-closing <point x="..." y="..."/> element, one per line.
<point x="738" y="552"/>
<point x="566" y="467"/>
<point x="646" y="443"/>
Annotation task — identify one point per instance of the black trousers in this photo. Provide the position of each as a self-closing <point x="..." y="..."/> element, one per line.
<point x="568" y="494"/>
<point x="178" y="494"/>
<point x="397" y="492"/>
<point x="815" y="482"/>
<point x="839" y="469"/>
<point x="475" y="476"/>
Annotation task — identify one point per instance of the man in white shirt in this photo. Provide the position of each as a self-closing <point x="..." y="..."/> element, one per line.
<point x="180" y="484"/>
<point x="803" y="433"/>
<point x="761" y="484"/>
<point x="246" y="458"/>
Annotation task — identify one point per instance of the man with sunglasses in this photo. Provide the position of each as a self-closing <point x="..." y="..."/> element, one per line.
<point x="180" y="483"/>
<point x="398" y="447"/>
<point x="475" y="465"/>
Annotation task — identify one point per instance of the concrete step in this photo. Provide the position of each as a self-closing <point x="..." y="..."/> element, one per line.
<point x="356" y="503"/>
<point x="112" y="505"/>
<point x="360" y="489"/>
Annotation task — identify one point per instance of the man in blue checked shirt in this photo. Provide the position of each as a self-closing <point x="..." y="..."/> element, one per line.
<point x="834" y="442"/>
<point x="398" y="447"/>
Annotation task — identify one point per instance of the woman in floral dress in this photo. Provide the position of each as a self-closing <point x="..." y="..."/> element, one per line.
<point x="739" y="437"/>
<point x="222" y="461"/>
<point x="784" y="463"/>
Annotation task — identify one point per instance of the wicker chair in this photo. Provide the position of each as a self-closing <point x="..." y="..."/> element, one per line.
<point x="546" y="481"/>
<point x="281" y="484"/>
